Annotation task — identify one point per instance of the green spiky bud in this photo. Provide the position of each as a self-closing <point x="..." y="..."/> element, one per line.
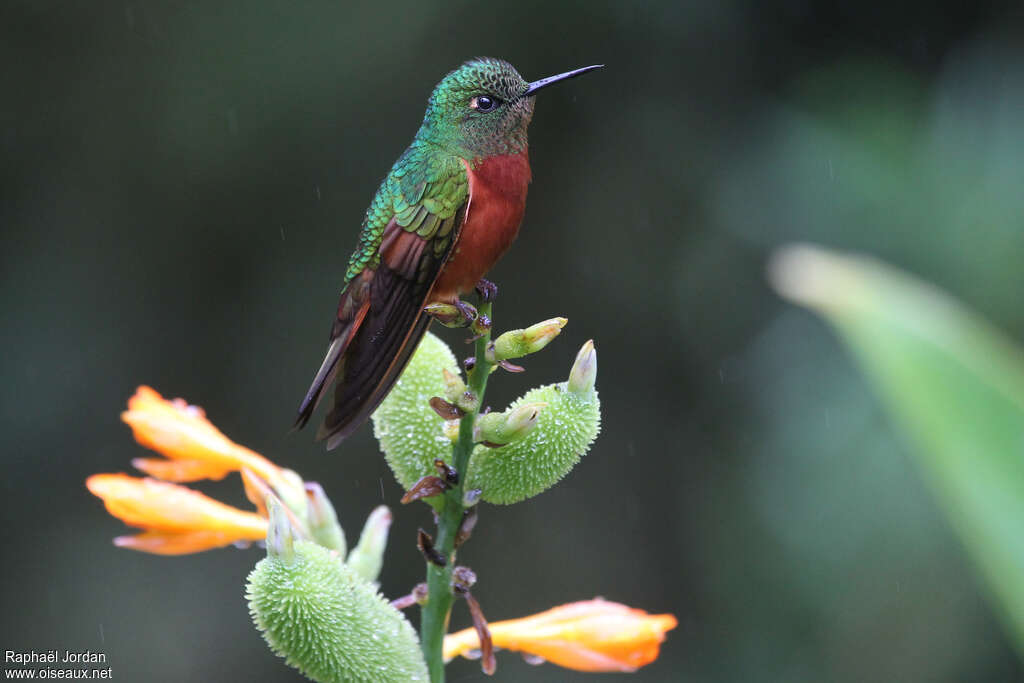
<point x="497" y="429"/>
<point x="323" y="521"/>
<point x="329" y="623"/>
<point x="518" y="343"/>
<point x="410" y="433"/>
<point x="367" y="558"/>
<point x="564" y="431"/>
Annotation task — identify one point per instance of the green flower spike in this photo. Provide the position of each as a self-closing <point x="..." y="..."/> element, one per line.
<point x="564" y="431"/>
<point x="410" y="433"/>
<point x="324" y="619"/>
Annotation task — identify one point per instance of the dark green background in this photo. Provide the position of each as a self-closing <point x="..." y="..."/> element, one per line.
<point x="181" y="185"/>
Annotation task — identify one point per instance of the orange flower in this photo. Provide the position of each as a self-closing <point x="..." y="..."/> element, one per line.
<point x="592" y="635"/>
<point x="176" y="520"/>
<point x="197" y="449"/>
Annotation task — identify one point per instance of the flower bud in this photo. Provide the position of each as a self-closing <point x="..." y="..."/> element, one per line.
<point x="446" y="314"/>
<point x="454" y="387"/>
<point x="451" y="430"/>
<point x="498" y="429"/>
<point x="329" y="623"/>
<point x="459" y="314"/>
<point x="367" y="558"/>
<point x="518" y="343"/>
<point x="463" y="578"/>
<point x="280" y="539"/>
<point x="584" y="371"/>
<point x="410" y="433"/>
<point x="471" y="497"/>
<point x="468" y="401"/>
<point x="323" y="522"/>
<point x="481" y="325"/>
<point x="291" y="490"/>
<point x="563" y="433"/>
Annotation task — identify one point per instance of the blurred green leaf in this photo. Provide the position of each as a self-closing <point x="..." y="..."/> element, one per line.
<point x="953" y="382"/>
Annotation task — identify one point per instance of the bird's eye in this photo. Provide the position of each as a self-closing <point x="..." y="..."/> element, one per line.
<point x="485" y="103"/>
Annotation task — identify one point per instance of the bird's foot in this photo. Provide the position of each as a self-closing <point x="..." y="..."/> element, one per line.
<point x="459" y="314"/>
<point x="487" y="290"/>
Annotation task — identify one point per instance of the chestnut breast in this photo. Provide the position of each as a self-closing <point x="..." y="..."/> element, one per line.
<point x="497" y="198"/>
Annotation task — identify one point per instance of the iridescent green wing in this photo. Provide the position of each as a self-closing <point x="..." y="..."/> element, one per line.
<point x="422" y="195"/>
<point x="411" y="225"/>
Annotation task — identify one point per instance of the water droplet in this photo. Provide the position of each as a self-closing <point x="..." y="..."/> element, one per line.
<point x="533" y="660"/>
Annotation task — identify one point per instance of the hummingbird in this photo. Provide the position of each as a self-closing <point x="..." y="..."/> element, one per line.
<point x="446" y="212"/>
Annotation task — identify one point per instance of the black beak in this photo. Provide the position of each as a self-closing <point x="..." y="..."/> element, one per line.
<point x="545" y="82"/>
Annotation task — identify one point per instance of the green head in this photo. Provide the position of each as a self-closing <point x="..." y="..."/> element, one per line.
<point x="483" y="108"/>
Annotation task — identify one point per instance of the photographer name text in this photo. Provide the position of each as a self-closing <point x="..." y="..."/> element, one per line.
<point x="54" y="657"/>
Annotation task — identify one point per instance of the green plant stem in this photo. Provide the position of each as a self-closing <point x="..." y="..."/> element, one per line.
<point x="440" y="597"/>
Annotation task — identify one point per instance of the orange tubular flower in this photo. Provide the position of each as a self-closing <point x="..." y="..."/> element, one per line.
<point x="592" y="635"/>
<point x="197" y="449"/>
<point x="176" y="520"/>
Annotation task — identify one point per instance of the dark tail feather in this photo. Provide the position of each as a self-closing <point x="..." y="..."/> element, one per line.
<point x="367" y="354"/>
<point x="324" y="376"/>
<point x="333" y="362"/>
<point x="378" y="352"/>
<point x="361" y="392"/>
